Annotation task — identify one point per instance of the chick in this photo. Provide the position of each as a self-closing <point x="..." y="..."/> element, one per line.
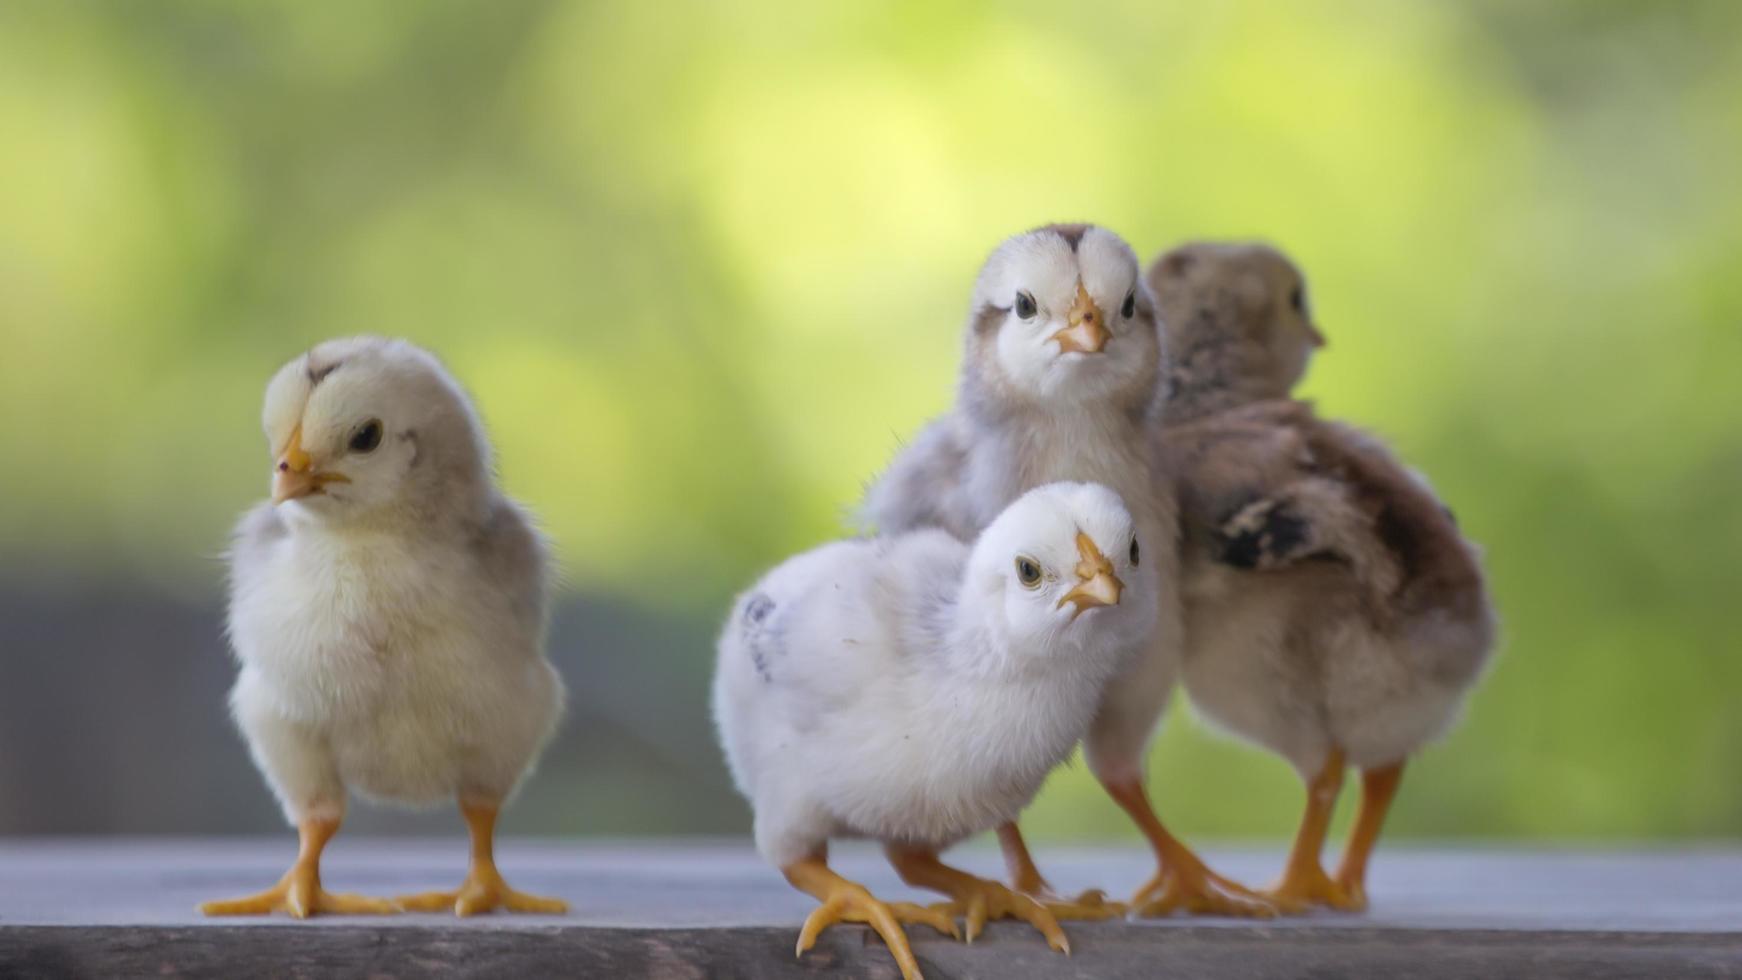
<point x="387" y="608"/>
<point x="1058" y="382"/>
<point x="913" y="690"/>
<point x="1334" y="613"/>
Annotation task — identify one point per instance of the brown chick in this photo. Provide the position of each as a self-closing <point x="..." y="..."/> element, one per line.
<point x="1334" y="613"/>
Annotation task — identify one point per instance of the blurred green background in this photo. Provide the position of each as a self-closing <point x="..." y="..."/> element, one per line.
<point x="703" y="265"/>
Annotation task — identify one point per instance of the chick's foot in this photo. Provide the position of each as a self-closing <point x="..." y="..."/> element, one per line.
<point x="1026" y="879"/>
<point x="1089" y="906"/>
<point x="483" y="891"/>
<point x="1304" y="887"/>
<point x="976" y="899"/>
<point x="300" y="895"/>
<point x="845" y="901"/>
<point x="1196" y="890"/>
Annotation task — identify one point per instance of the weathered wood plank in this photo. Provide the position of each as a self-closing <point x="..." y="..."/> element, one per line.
<point x="70" y="908"/>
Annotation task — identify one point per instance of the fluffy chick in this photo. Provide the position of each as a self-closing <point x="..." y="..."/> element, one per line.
<point x="913" y="690"/>
<point x="1059" y="376"/>
<point x="1334" y="613"/>
<point x="387" y="608"/>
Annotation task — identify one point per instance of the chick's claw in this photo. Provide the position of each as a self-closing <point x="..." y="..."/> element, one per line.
<point x="847" y="902"/>
<point x="979" y="900"/>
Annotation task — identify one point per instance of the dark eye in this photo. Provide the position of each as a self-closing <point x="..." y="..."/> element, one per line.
<point x="1027" y="571"/>
<point x="1130" y="306"/>
<point x="1025" y="307"/>
<point x="1297" y="299"/>
<point x="365" y="440"/>
<point x="1134" y="552"/>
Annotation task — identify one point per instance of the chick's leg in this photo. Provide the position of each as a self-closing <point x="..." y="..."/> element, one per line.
<point x="976" y="898"/>
<point x="844" y="901"/>
<point x="1182" y="882"/>
<point x="1378" y="787"/>
<point x="1026" y="878"/>
<point x="483" y="890"/>
<point x="299" y="892"/>
<point x="1304" y="882"/>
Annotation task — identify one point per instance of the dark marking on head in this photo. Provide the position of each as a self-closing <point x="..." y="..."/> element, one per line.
<point x="1071" y="233"/>
<point x="989" y="317"/>
<point x="757" y="609"/>
<point x="318" y="372"/>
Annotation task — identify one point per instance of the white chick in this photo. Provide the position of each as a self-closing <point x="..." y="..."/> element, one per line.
<point x="388" y="612"/>
<point x="1059" y="381"/>
<point x="913" y="690"/>
<point x="1335" y="614"/>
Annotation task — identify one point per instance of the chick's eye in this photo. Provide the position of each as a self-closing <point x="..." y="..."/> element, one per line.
<point x="1134" y="552"/>
<point x="1025" y="307"/>
<point x="365" y="439"/>
<point x="1130" y="307"/>
<point x="1027" y="571"/>
<point x="1297" y="299"/>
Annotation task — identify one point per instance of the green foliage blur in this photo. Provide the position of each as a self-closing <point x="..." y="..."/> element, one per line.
<point x="704" y="264"/>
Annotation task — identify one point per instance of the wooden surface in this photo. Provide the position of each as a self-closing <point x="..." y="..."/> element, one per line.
<point x="89" y="908"/>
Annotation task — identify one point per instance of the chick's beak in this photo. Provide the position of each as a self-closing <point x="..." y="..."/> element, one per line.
<point x="1318" y="339"/>
<point x="1096" y="585"/>
<point x="295" y="476"/>
<point x="1087" y="332"/>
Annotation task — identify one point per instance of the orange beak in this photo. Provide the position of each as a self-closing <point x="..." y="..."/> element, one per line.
<point x="1087" y="332"/>
<point x="1096" y="585"/>
<point x="295" y="476"/>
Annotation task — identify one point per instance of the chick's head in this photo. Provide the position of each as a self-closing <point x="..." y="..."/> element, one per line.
<point x="1064" y="568"/>
<point x="1246" y="296"/>
<point x="1060" y="314"/>
<point x="367" y="426"/>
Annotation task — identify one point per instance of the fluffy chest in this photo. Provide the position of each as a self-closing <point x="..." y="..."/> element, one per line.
<point x="959" y="759"/>
<point x="337" y="626"/>
<point x="1083" y="447"/>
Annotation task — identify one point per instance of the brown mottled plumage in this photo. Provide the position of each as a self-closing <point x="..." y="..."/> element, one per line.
<point x="1334" y="613"/>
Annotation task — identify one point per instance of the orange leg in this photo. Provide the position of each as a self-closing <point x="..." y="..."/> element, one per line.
<point x="484" y="890"/>
<point x="1304" y="882"/>
<point x="975" y="898"/>
<point x="1181" y="881"/>
<point x="1378" y="787"/>
<point x="299" y="892"/>
<point x="844" y="901"/>
<point x="1025" y="877"/>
